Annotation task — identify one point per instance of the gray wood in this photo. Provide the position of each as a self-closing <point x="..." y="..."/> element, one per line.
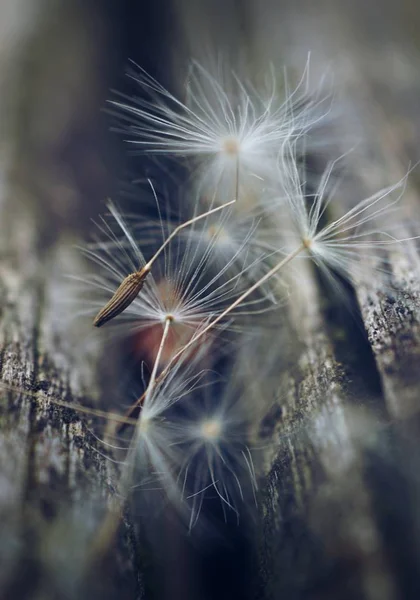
<point x="55" y="482"/>
<point x="319" y="536"/>
<point x="340" y="509"/>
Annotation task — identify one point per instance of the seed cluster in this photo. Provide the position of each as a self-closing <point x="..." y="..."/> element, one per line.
<point x="199" y="288"/>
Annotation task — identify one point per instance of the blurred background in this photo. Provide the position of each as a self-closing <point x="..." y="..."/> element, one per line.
<point x="61" y="59"/>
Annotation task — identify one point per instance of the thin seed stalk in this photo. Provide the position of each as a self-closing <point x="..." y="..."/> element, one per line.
<point x="109" y="526"/>
<point x="131" y="286"/>
<point x="228" y="310"/>
<point x="236" y="303"/>
<point x="93" y="412"/>
<point x="187" y="224"/>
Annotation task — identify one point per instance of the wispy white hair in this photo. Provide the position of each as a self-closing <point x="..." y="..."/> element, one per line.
<point x="233" y="130"/>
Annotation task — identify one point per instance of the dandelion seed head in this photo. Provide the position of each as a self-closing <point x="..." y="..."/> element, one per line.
<point x="190" y="441"/>
<point x="335" y="240"/>
<point x="231" y="128"/>
<point x="231" y="146"/>
<point x="210" y="430"/>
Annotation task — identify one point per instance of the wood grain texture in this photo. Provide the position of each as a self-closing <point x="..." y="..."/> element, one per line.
<point x="320" y="537"/>
<point x="55" y="484"/>
<point x="340" y="509"/>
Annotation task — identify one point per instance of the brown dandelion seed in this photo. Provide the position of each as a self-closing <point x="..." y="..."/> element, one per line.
<point x="132" y="284"/>
<point x="126" y="293"/>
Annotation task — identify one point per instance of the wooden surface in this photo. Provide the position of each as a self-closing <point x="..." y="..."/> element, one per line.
<point x="340" y="510"/>
<point x="55" y="482"/>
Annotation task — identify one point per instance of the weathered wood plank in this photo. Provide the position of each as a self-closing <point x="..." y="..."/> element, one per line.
<point x="319" y="536"/>
<point x="55" y="484"/>
<point x="362" y="513"/>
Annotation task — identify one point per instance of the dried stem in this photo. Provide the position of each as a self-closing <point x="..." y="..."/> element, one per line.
<point x="110" y="524"/>
<point x="93" y="412"/>
<point x="132" y="285"/>
<point x="228" y="310"/>
<point x="182" y="226"/>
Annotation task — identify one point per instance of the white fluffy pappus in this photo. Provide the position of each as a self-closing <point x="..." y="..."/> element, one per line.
<point x="238" y="242"/>
<point x="230" y="128"/>
<point x="192" y="443"/>
<point x="151" y="467"/>
<point x="217" y="436"/>
<point x="187" y="286"/>
<point x="336" y="240"/>
<point x="336" y="246"/>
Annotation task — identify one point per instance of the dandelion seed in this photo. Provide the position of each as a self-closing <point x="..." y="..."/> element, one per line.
<point x="335" y="246"/>
<point x="236" y="238"/>
<point x="126" y="293"/>
<point x="131" y="286"/>
<point x="152" y="458"/>
<point x="215" y="437"/>
<point x="236" y="131"/>
<point x="183" y="284"/>
<point x="154" y="455"/>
